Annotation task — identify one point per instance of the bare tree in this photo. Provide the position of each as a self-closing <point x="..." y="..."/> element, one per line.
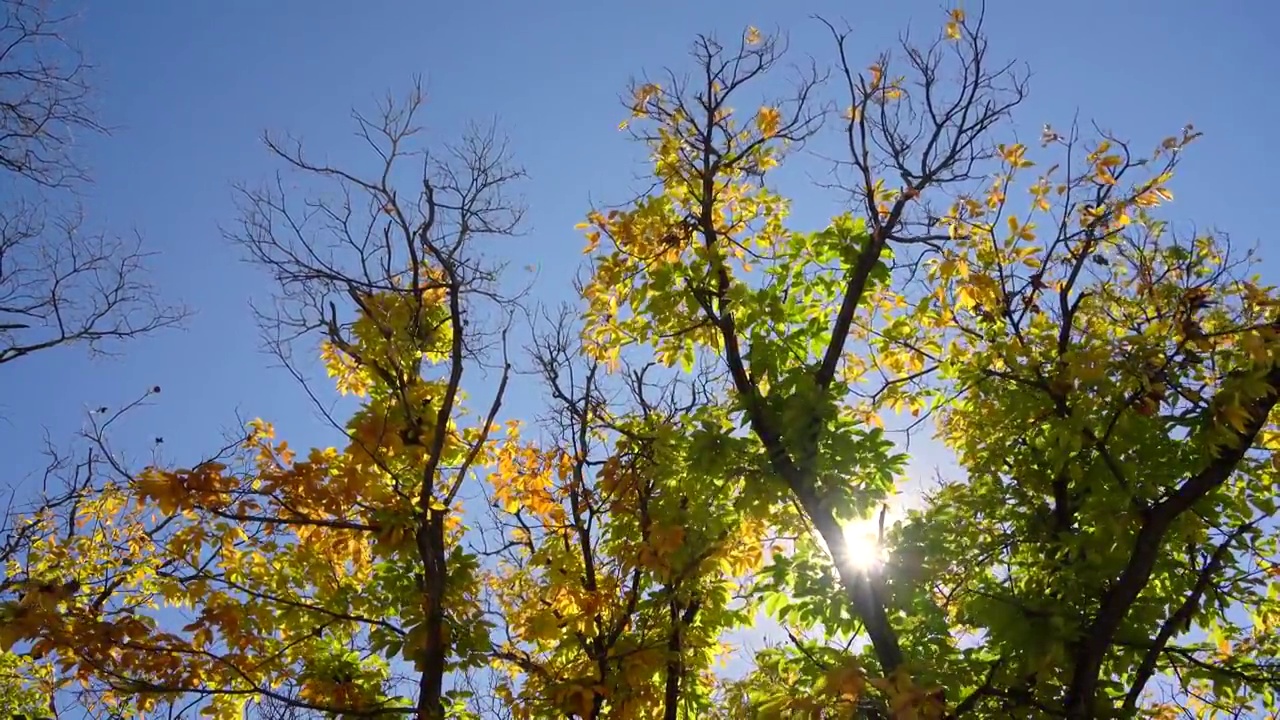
<point x="60" y="284"/>
<point x="44" y="95"/>
<point x="63" y="285"/>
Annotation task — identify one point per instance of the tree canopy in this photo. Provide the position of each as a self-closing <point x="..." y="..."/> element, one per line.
<point x="721" y="431"/>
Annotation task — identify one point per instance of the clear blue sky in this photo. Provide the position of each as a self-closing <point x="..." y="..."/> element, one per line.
<point x="191" y="85"/>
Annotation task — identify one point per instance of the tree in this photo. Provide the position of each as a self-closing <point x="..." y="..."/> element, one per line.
<point x="1123" y="379"/>
<point x="719" y="417"/>
<point x="692" y="254"/>
<point x="625" y="544"/>
<point x="313" y="581"/>
<point x="55" y="546"/>
<point x="60" y="284"/>
<point x="1107" y="388"/>
<point x="421" y="289"/>
<point x="45" y="86"/>
<point x="26" y="682"/>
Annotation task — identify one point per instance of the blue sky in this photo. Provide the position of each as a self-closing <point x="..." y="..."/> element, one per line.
<point x="190" y="86"/>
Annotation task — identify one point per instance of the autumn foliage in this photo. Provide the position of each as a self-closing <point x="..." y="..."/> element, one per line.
<point x="723" y="411"/>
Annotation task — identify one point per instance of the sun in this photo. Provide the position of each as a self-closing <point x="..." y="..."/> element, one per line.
<point x="863" y="546"/>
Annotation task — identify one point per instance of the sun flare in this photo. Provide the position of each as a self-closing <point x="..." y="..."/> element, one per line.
<point x="864" y="550"/>
<point x="862" y="544"/>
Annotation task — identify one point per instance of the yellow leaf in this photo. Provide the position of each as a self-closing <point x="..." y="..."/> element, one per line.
<point x="956" y="266"/>
<point x="753" y="36"/>
<point x="768" y="121"/>
<point x="846" y="682"/>
<point x="1020" y="231"/>
<point x="1014" y="155"/>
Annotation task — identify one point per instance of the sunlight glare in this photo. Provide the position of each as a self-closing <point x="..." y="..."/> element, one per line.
<point x="862" y="544"/>
<point x="863" y="549"/>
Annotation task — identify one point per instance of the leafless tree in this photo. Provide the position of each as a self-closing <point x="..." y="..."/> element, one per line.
<point x="44" y="95"/>
<point x="60" y="283"/>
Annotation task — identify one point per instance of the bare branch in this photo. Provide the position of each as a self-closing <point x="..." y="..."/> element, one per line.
<point x="44" y="96"/>
<point x="62" y="285"/>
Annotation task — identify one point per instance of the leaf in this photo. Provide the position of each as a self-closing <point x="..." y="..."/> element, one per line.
<point x="768" y="120"/>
